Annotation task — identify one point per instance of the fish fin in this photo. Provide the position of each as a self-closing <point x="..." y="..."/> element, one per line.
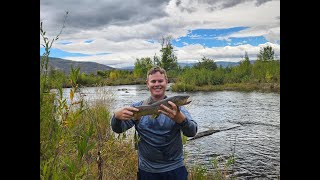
<point x="154" y="116"/>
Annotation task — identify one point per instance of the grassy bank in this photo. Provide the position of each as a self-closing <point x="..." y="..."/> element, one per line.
<point x="260" y="87"/>
<point x="78" y="143"/>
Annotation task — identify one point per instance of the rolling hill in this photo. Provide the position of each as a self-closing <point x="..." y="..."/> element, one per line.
<point x="85" y="67"/>
<point x="92" y="67"/>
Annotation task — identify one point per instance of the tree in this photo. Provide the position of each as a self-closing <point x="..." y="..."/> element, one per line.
<point x="266" y="54"/>
<point x="244" y="69"/>
<point x="156" y="60"/>
<point x="168" y="59"/>
<point x="206" y="63"/>
<point x="141" y="67"/>
<point x="102" y="73"/>
<point x="246" y="57"/>
<point x="113" y="75"/>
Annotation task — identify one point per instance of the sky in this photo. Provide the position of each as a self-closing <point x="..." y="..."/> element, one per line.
<point x="116" y="33"/>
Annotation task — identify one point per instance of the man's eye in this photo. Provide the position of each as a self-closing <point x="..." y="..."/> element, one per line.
<point x="154" y="81"/>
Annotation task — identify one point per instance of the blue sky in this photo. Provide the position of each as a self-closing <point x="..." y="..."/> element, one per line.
<point x="54" y="52"/>
<point x="213" y="38"/>
<point x="103" y="33"/>
<point x="206" y="37"/>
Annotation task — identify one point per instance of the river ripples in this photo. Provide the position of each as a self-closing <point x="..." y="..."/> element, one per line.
<point x="255" y="142"/>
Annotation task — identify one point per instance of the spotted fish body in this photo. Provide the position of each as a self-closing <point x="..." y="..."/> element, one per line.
<point x="152" y="109"/>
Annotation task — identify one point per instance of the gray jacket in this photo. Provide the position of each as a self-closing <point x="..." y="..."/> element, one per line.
<point x="160" y="145"/>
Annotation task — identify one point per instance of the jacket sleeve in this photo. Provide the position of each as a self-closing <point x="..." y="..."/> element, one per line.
<point x="189" y="127"/>
<point x="120" y="126"/>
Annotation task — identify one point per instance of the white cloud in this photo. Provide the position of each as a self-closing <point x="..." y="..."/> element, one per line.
<point x="123" y="31"/>
<point x="227" y="53"/>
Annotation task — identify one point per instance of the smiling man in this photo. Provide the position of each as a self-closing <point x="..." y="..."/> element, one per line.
<point x="160" y="147"/>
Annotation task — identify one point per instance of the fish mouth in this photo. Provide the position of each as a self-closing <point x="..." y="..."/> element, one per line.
<point x="187" y="101"/>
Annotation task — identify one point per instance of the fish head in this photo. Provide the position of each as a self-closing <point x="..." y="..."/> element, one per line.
<point x="181" y="100"/>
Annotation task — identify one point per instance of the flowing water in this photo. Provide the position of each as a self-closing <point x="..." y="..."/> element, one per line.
<point x="254" y="142"/>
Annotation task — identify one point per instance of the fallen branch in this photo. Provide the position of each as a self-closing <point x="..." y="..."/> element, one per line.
<point x="209" y="132"/>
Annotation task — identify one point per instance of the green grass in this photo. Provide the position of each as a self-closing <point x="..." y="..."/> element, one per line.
<point x="260" y="87"/>
<point x="70" y="147"/>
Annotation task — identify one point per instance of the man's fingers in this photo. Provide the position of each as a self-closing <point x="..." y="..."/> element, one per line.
<point x="163" y="112"/>
<point x="127" y="112"/>
<point x="164" y="107"/>
<point x="170" y="110"/>
<point x="127" y="117"/>
<point x="132" y="109"/>
<point x="167" y="111"/>
<point x="172" y="104"/>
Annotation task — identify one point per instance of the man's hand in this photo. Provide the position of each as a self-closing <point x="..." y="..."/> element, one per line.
<point x="172" y="113"/>
<point x="125" y="113"/>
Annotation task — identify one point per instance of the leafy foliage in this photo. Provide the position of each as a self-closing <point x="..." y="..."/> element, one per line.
<point x="206" y="63"/>
<point x="141" y="67"/>
<point x="168" y="59"/>
<point x="205" y="73"/>
<point x="266" y="54"/>
<point x="76" y="142"/>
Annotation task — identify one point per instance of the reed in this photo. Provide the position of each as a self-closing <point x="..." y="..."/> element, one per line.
<point x="76" y="140"/>
<point x="221" y="168"/>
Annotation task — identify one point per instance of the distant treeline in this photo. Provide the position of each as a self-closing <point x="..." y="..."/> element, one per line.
<point x="263" y="74"/>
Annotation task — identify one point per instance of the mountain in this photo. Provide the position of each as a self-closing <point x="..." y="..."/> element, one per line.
<point x="85" y="67"/>
<point x="92" y="67"/>
<point x="183" y="64"/>
<point x="227" y="63"/>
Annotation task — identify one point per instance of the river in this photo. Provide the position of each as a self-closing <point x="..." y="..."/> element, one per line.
<point x="255" y="142"/>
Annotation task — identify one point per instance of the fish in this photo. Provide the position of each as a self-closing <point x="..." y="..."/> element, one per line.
<point x="152" y="109"/>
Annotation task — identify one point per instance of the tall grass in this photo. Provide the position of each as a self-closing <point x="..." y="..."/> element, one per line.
<point x="86" y="148"/>
<point x="221" y="168"/>
<point x="76" y="141"/>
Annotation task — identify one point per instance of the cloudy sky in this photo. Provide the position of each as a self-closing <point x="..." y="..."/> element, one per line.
<point x="116" y="33"/>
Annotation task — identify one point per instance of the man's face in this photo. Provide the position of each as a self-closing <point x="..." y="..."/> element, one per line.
<point x="157" y="84"/>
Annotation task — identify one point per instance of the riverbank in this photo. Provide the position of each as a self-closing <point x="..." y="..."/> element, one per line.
<point x="178" y="87"/>
<point x="260" y="87"/>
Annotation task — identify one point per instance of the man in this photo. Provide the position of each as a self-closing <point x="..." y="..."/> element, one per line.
<point x="160" y="146"/>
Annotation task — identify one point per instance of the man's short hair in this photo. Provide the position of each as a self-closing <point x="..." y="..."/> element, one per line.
<point x="155" y="69"/>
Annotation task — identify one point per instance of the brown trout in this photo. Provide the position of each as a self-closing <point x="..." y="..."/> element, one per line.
<point x="153" y="108"/>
